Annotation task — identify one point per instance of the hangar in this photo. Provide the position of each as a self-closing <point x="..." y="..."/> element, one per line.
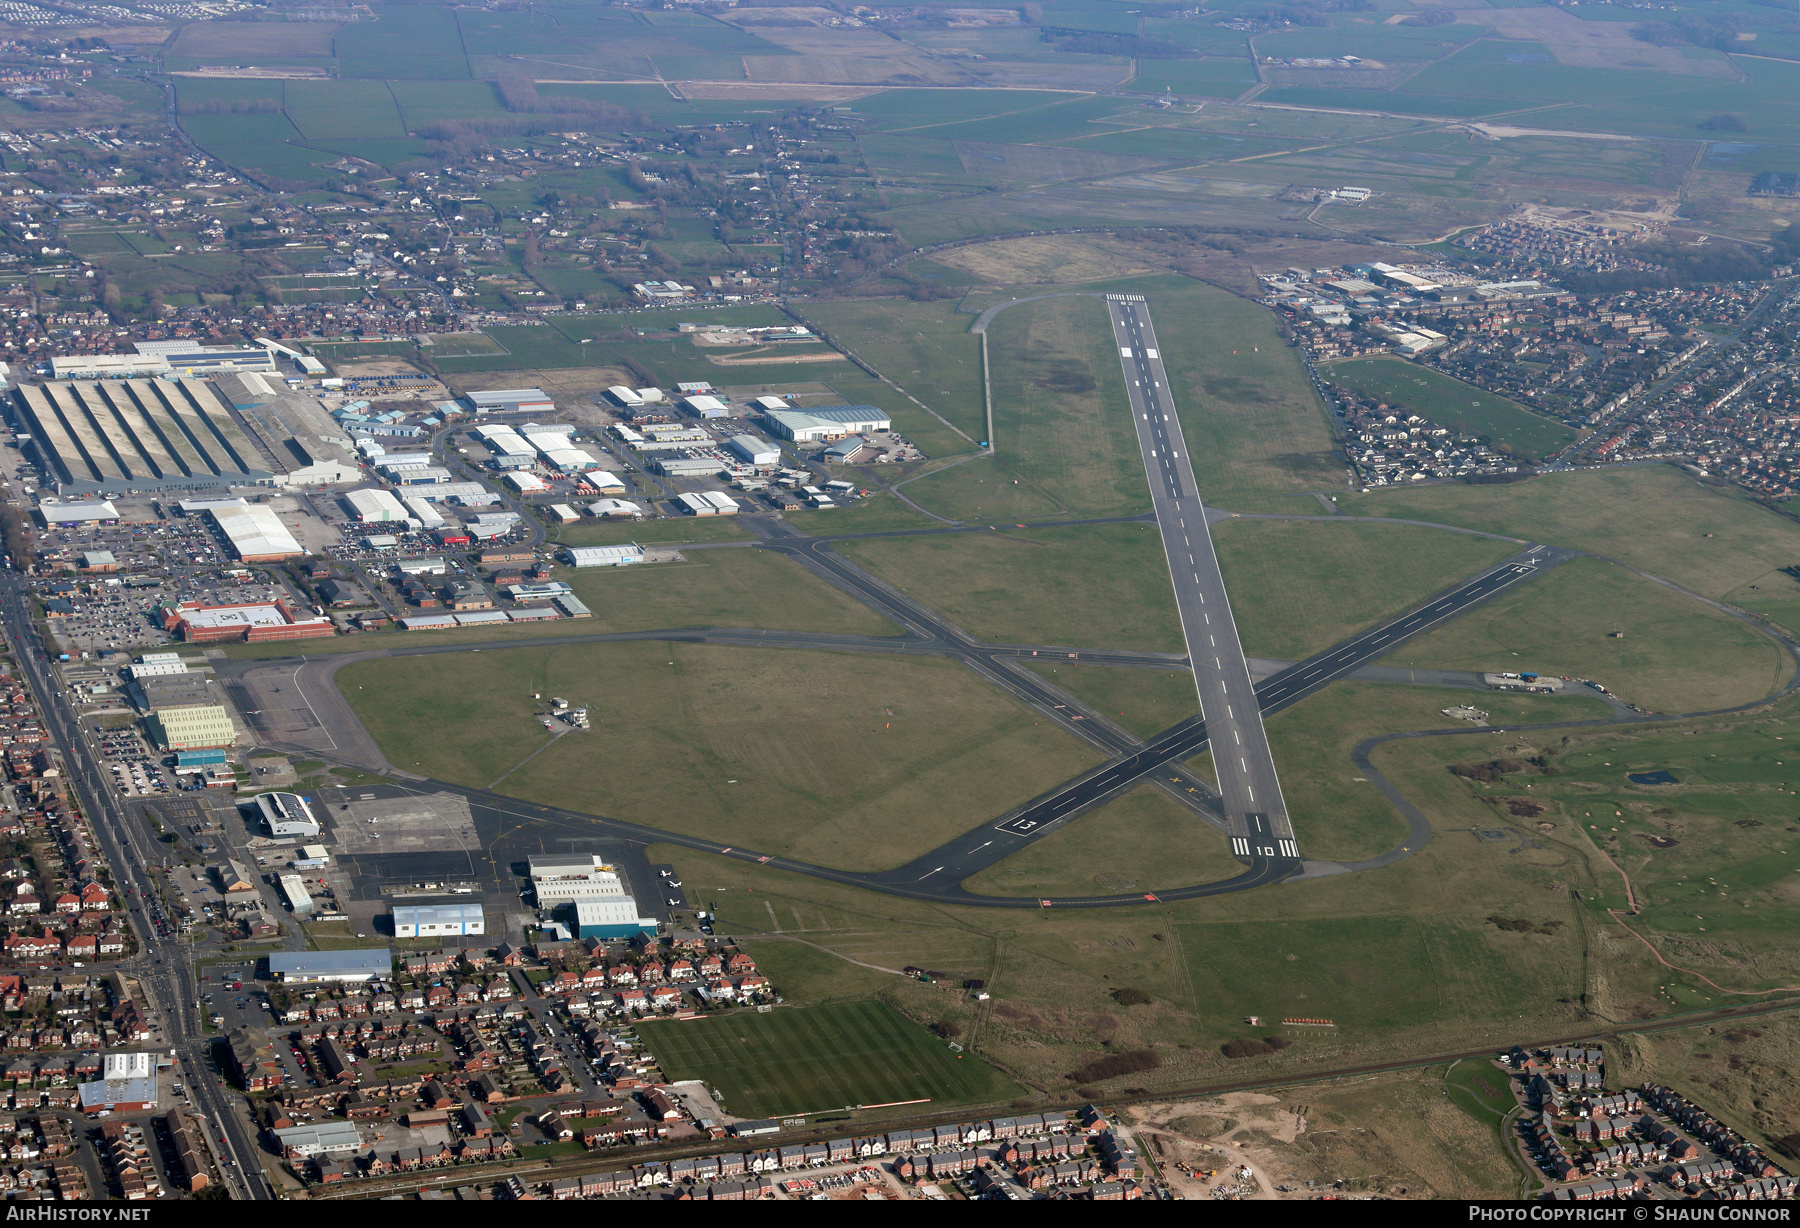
<point x="826" y="422"/>
<point x="438" y="920"/>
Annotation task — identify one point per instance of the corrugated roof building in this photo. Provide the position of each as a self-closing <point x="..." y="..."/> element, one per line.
<point x="192" y="728"/>
<point x="826" y="422"/>
<point x="140" y="434"/>
<point x="437" y="920"/>
<point x="312" y="967"/>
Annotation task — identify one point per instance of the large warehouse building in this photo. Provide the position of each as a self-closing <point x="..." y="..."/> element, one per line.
<point x="611" y="918"/>
<point x="195" y="727"/>
<point x="124" y="435"/>
<point x="506" y="400"/>
<point x="563" y="880"/>
<point x="128" y="435"/>
<point x="255" y="532"/>
<point x="375" y="505"/>
<point x="825" y="422"/>
<point x="604" y="556"/>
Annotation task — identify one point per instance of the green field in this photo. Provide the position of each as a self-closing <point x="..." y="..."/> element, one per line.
<point x="1252" y="420"/>
<point x="1144" y="841"/>
<point x="1144" y="701"/>
<point x="812" y="1059"/>
<point x="1711" y="858"/>
<point x="984" y="491"/>
<point x="1462" y="407"/>
<point x="1061" y="419"/>
<point x="1222" y="78"/>
<point x="671" y="531"/>
<point x="849" y="760"/>
<point x="1676" y="655"/>
<point x="1338" y="815"/>
<point x="876" y="514"/>
<point x="926" y="348"/>
<point x="1707" y="539"/>
<point x="719" y="588"/>
<point x="1094" y="586"/>
<point x="1298" y="587"/>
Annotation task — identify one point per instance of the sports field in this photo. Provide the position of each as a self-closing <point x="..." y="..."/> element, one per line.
<point x="809" y="1059"/>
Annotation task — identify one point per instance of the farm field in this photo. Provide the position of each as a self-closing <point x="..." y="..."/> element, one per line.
<point x="1211" y="78"/>
<point x="1459" y="406"/>
<point x="807" y="1059"/>
<point x="859" y="762"/>
<point x="1588" y="619"/>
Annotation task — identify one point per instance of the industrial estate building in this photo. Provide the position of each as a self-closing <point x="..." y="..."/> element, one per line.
<point x="287" y="814"/>
<point x="77" y="515"/>
<point x="611" y="918"/>
<point x="707" y="503"/>
<point x="164" y="358"/>
<point x="316" y="967"/>
<point x="127" y="1084"/>
<point x="825" y="422"/>
<point x="753" y="450"/>
<point x="254" y="532"/>
<point x="318" y="1138"/>
<point x="375" y="505"/>
<point x="138" y="435"/>
<point x="299" y="899"/>
<point x="438" y="920"/>
<point x="561" y="880"/>
<point x="504" y="400"/>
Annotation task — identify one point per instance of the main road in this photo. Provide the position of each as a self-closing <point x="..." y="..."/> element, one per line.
<point x="162" y="966"/>
<point x="1249" y="787"/>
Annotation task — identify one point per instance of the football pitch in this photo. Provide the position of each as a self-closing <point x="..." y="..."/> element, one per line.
<point x="807" y="1059"/>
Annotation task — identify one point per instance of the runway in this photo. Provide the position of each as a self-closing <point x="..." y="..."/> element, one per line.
<point x="1255" y="811"/>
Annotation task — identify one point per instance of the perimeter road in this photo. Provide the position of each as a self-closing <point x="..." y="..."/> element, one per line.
<point x="1251" y="791"/>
